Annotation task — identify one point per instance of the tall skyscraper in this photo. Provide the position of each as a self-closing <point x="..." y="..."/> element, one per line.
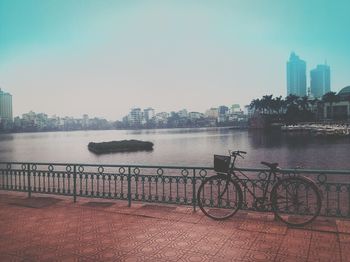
<point x="296" y="76"/>
<point x="320" y="80"/>
<point x="5" y="107"/>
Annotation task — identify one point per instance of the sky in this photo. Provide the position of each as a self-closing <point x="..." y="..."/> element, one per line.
<point x="71" y="57"/>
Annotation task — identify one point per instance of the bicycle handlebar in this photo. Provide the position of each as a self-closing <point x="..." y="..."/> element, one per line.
<point x="237" y="153"/>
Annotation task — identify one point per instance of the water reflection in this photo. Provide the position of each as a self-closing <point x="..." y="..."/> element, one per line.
<point x="179" y="147"/>
<point x="6" y="137"/>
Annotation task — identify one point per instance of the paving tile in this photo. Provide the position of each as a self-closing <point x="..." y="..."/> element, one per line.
<point x="252" y="255"/>
<point x="135" y="258"/>
<point x="298" y="233"/>
<point x="232" y="253"/>
<point x="9" y="258"/>
<point x="344" y="238"/>
<point x="325" y="257"/>
<point x="169" y="254"/>
<point x="283" y="258"/>
<point x="65" y="231"/>
<point x="270" y="247"/>
<point x="110" y="254"/>
<point x="195" y="257"/>
<point x="343" y="226"/>
<point x="298" y="251"/>
<point x="207" y="247"/>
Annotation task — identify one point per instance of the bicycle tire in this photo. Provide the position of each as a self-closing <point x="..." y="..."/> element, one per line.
<point x="214" y="206"/>
<point x="287" y="197"/>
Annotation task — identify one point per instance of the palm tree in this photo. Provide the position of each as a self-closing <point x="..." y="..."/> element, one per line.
<point x="291" y="100"/>
<point x="304" y="103"/>
<point x="267" y="103"/>
<point x="257" y="105"/>
<point x="277" y="104"/>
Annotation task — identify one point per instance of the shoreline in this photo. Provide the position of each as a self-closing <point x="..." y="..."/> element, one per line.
<point x="321" y="130"/>
<point x="134" y="129"/>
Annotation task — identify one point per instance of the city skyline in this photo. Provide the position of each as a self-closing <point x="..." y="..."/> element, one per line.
<point x="103" y="58"/>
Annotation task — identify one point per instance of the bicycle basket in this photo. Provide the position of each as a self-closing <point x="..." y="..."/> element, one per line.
<point x="221" y="163"/>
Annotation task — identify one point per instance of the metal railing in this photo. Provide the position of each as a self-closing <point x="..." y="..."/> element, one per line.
<point x="157" y="184"/>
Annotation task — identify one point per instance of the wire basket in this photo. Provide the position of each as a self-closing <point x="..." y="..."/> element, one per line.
<point x="221" y="163"/>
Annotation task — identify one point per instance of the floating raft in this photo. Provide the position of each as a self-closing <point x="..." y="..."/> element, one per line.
<point x="120" y="146"/>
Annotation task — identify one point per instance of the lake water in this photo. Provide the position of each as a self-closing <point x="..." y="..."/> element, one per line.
<point x="184" y="147"/>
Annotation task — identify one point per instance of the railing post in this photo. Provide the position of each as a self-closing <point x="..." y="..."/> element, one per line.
<point x="75" y="183"/>
<point x="29" y="184"/>
<point x="194" y="195"/>
<point x="129" y="186"/>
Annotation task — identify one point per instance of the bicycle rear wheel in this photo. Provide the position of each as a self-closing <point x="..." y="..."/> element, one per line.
<point x="219" y="197"/>
<point x="296" y="201"/>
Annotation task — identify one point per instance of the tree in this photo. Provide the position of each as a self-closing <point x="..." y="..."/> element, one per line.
<point x="267" y="103"/>
<point x="304" y="103"/>
<point x="291" y="100"/>
<point x="256" y="105"/>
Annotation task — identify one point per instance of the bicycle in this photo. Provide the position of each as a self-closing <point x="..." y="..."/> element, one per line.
<point x="295" y="200"/>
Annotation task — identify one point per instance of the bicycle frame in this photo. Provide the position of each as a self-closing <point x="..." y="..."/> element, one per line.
<point x="231" y="174"/>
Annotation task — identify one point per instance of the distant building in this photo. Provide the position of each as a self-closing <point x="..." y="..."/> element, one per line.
<point x="247" y="110"/>
<point x="235" y="108"/>
<point x="296" y="76"/>
<point x="223" y="110"/>
<point x="5" y="107"/>
<point x="85" y="121"/>
<point x="339" y="110"/>
<point x="135" y="117"/>
<point x="195" y="115"/>
<point x="162" y="118"/>
<point x="320" y="81"/>
<point x="149" y="114"/>
<point x="212" y="113"/>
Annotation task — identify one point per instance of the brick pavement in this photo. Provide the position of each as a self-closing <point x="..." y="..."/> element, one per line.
<point x="56" y="229"/>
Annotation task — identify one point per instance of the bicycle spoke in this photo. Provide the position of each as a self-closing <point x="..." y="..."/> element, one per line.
<point x="219" y="197"/>
<point x="296" y="201"/>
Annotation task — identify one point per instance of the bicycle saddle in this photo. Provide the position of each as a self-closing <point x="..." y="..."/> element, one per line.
<point x="270" y="165"/>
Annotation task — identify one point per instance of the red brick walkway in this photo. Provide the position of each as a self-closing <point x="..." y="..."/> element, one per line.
<point x="52" y="229"/>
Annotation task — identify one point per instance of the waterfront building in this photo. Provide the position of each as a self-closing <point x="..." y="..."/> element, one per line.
<point x="148" y="114"/>
<point x="212" y="113"/>
<point x="296" y="76"/>
<point x="195" y="115"/>
<point x="223" y="110"/>
<point x="247" y="110"/>
<point x="235" y="108"/>
<point x="223" y="114"/>
<point x="339" y="110"/>
<point x="85" y="121"/>
<point x="5" y="107"/>
<point x="162" y="118"/>
<point x="320" y="81"/>
<point x="135" y="116"/>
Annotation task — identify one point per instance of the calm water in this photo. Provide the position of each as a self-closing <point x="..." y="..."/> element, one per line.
<point x="179" y="147"/>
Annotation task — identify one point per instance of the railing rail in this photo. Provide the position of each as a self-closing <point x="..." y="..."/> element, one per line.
<point x="160" y="184"/>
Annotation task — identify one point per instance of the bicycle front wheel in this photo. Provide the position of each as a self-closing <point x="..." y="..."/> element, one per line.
<point x="296" y="201"/>
<point x="219" y="197"/>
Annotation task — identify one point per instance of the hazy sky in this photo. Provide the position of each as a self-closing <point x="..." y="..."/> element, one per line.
<point x="104" y="57"/>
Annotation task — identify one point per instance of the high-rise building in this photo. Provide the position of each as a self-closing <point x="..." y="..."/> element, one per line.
<point x="135" y="116"/>
<point x="5" y="107"/>
<point x="320" y="80"/>
<point x="149" y="114"/>
<point x="296" y="76"/>
<point x="212" y="113"/>
<point x="223" y="110"/>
